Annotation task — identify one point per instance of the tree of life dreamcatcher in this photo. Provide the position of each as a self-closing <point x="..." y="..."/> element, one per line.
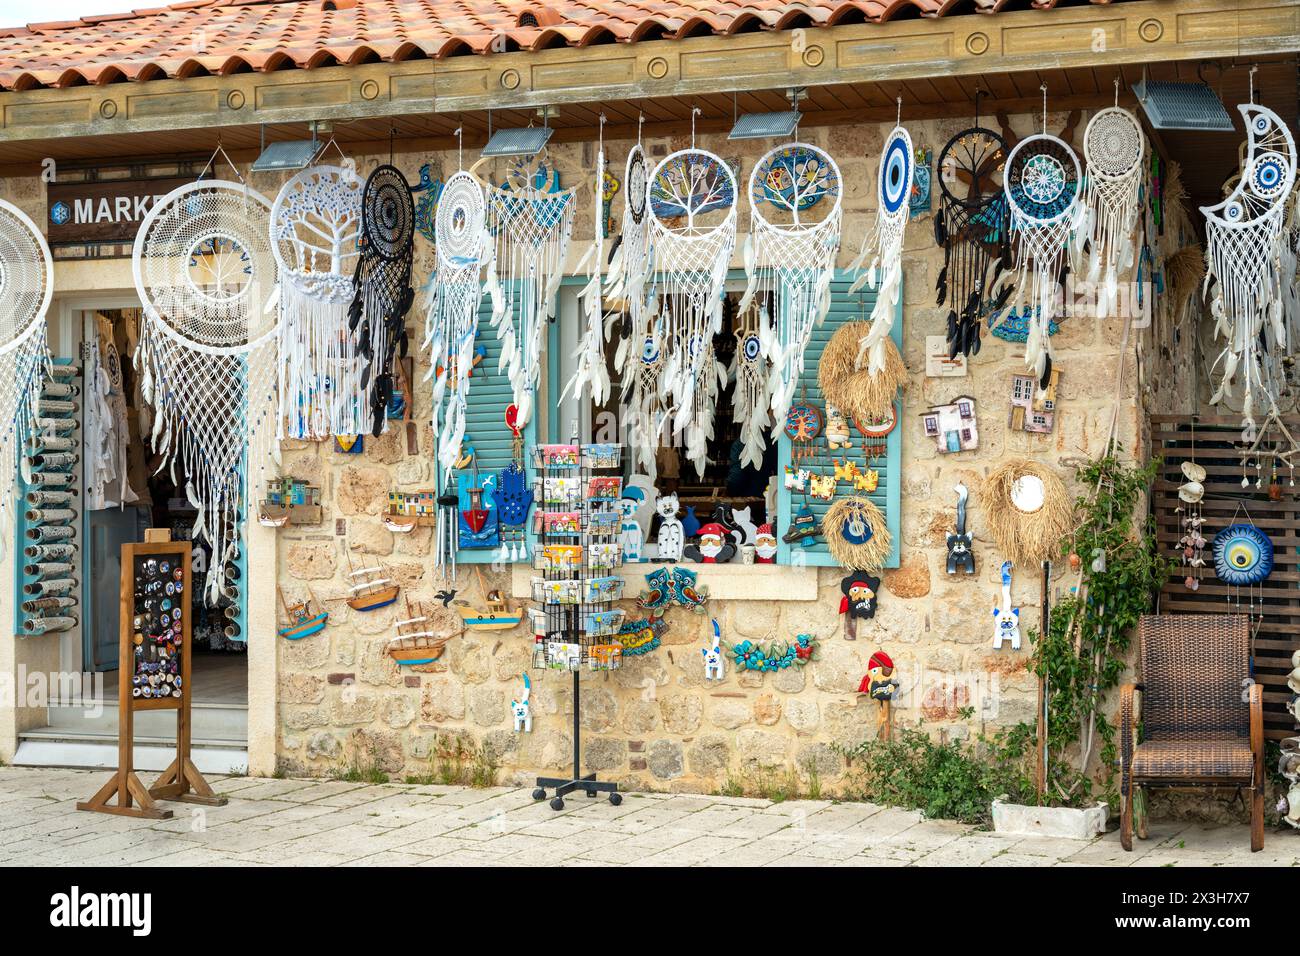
<point x="316" y="222"/>
<point x="795" y="208"/>
<point x="692" y="199"/>
<point x="207" y="354"/>
<point x="972" y="228"/>
<point x="26" y="288"/>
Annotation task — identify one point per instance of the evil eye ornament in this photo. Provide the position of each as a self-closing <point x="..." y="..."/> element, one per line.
<point x="1234" y="211"/>
<point x="649" y="351"/>
<point x="1267" y="176"/>
<point x="1243" y="555"/>
<point x="896" y="171"/>
<point x="752" y="348"/>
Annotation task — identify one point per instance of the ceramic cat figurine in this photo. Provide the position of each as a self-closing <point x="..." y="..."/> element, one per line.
<point x="671" y="539"/>
<point x="522" y="711"/>
<point x="713" y="656"/>
<point x="1006" y="619"/>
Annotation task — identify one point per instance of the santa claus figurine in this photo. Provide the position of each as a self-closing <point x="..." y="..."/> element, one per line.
<point x="713" y="546"/>
<point x="765" y="544"/>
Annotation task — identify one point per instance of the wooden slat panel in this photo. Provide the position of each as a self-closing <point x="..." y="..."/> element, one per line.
<point x="1214" y="445"/>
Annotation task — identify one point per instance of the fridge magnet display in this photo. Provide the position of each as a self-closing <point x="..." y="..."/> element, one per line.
<point x="748" y="656"/>
<point x="952" y="426"/>
<point x="856" y="533"/>
<point x="765" y="544"/>
<point x="521" y="710"/>
<point x="713" y="655"/>
<point x="671" y="538"/>
<point x="961" y="557"/>
<point x="1006" y="619"/>
<point x="861" y="594"/>
<point x="713" y="546"/>
<point x="880" y="685"/>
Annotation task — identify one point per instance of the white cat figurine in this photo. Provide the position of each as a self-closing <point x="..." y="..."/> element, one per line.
<point x="671" y="539"/>
<point x="713" y="656"/>
<point x="522" y="711"/>
<point x="1006" y="619"/>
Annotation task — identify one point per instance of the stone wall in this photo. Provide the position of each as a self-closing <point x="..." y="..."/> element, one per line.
<point x="656" y="724"/>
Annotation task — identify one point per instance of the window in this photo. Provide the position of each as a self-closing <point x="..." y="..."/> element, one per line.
<point x="932" y="425"/>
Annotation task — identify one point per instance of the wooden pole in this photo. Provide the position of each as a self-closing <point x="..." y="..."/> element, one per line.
<point x="1040" y="770"/>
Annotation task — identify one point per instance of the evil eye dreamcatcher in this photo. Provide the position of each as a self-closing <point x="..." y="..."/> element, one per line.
<point x="749" y="369"/>
<point x="383" y="285"/>
<point x="1243" y="558"/>
<point x="893" y="194"/>
<point x="972" y="228"/>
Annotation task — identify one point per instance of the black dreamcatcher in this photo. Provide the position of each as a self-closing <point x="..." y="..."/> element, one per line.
<point x="383" y="285"/>
<point x="972" y="227"/>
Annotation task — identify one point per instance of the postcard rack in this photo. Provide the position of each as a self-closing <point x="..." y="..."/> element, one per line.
<point x="576" y="557"/>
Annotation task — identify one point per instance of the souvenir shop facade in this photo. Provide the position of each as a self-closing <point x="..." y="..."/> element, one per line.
<point x="400" y="603"/>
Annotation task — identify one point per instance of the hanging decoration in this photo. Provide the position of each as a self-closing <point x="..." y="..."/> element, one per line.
<point x="315" y="223"/>
<point x="590" y="373"/>
<point x="773" y="656"/>
<point x="893" y="197"/>
<point x="860" y="392"/>
<point x="972" y="227"/>
<point x="1191" y="546"/>
<point x="1113" y="149"/>
<point x="961" y="556"/>
<point x="26" y="288"/>
<point x="861" y="595"/>
<point x="530" y="220"/>
<point x="1006" y="619"/>
<point x="803" y="426"/>
<point x="1243" y="244"/>
<point x="1243" y="558"/>
<point x="107" y="430"/>
<point x="673" y="587"/>
<point x="206" y="357"/>
<point x="856" y="533"/>
<point x="383" y="293"/>
<point x="795" y="208"/>
<point x="713" y="666"/>
<point x="750" y="369"/>
<point x="1042" y="184"/>
<point x="1027" y="510"/>
<point x="451" y="326"/>
<point x="692" y="204"/>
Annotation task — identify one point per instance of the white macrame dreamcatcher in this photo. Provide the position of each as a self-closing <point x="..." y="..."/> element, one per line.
<point x="795" y="209"/>
<point x="315" y="224"/>
<point x="1113" y="149"/>
<point x="530" y="219"/>
<point x="26" y="287"/>
<point x="750" y="371"/>
<point x="1242" y="255"/>
<point x="1042" y="184"/>
<point x="893" y="195"/>
<point x="107" y="430"/>
<point x="590" y="373"/>
<point x="451" y="326"/>
<point x="692" y="206"/>
<point x="207" y="355"/>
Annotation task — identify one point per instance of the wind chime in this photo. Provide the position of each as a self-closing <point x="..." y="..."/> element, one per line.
<point x="315" y="224"/>
<point x="692" y="205"/>
<point x="383" y="293"/>
<point x="451" y="326"/>
<point x="1243" y="240"/>
<point x="893" y="193"/>
<point x="972" y="228"/>
<point x="1191" y="545"/>
<point x="1113" y="149"/>
<point x="530" y="220"/>
<point x="26" y="288"/>
<point x="207" y="354"/>
<point x="590" y="373"/>
<point x="1042" y="184"/>
<point x="796" y="215"/>
<point x="1279" y="449"/>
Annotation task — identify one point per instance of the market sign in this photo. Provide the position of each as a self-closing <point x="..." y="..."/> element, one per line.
<point x="103" y="211"/>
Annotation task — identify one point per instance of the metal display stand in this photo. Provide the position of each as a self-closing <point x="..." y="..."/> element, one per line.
<point x="578" y="554"/>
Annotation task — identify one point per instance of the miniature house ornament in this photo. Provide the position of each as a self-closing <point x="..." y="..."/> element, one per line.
<point x="1033" y="409"/>
<point x="952" y="426"/>
<point x="713" y="655"/>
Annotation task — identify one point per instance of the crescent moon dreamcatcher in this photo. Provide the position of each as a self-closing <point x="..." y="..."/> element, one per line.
<point x="972" y="226"/>
<point x="749" y="369"/>
<point x="26" y="288"/>
<point x="1243" y="245"/>
<point x="383" y="293"/>
<point x="315" y="224"/>
<point x="796" y="215"/>
<point x="1113" y="148"/>
<point x="590" y="372"/>
<point x="207" y="354"/>
<point x="451" y="325"/>
<point x="530" y="219"/>
<point x="893" y="193"/>
<point x="692" y="207"/>
<point x="1042" y="184"/>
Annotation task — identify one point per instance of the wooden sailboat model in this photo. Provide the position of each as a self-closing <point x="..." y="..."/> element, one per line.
<point x="497" y="616"/>
<point x="370" y="588"/>
<point x="303" y="621"/>
<point x="415" y="643"/>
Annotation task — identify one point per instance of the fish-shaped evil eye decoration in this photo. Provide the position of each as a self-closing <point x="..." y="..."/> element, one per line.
<point x="1243" y="555"/>
<point x="513" y="497"/>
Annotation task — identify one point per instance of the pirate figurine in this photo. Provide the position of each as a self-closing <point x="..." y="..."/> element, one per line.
<point x="859" y="601"/>
<point x="879" y="684"/>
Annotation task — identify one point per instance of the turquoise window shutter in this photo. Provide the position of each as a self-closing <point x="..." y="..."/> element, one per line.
<point x="485" y="422"/>
<point x="844" y="308"/>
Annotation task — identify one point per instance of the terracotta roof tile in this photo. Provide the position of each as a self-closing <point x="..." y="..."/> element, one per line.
<point x="220" y="35"/>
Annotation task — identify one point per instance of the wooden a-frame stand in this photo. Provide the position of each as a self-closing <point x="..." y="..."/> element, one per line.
<point x="181" y="780"/>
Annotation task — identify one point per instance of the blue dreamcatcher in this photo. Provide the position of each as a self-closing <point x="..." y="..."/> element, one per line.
<point x="1013" y="324"/>
<point x="1243" y="557"/>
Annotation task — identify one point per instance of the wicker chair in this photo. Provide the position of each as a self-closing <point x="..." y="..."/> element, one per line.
<point x="1198" y="731"/>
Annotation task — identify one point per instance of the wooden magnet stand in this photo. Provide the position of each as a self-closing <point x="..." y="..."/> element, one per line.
<point x="181" y="780"/>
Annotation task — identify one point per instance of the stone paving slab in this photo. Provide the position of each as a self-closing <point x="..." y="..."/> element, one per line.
<point x="270" y="822"/>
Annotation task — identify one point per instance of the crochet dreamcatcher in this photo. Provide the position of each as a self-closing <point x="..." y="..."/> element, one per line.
<point x="893" y="191"/>
<point x="383" y="293"/>
<point x="1243" y="240"/>
<point x="628" y="270"/>
<point x="590" y="372"/>
<point x="451" y="326"/>
<point x="530" y="220"/>
<point x="971" y="226"/>
<point x="1042" y="184"/>
<point x="1113" y="148"/>
<point x="749" y="369"/>
<point x="315" y="223"/>
<point x="692" y="200"/>
<point x="207" y="354"/>
<point x="643" y="408"/>
<point x="26" y="287"/>
<point x="795" y="209"/>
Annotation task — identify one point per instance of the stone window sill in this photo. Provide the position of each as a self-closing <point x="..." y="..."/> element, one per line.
<point x="726" y="582"/>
